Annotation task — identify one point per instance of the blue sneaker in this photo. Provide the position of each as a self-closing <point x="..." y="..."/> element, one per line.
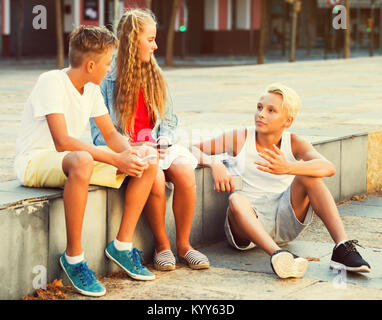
<point x="82" y="278"/>
<point x="129" y="261"/>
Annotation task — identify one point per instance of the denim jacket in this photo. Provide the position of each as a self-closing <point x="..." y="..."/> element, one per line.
<point x="163" y="128"/>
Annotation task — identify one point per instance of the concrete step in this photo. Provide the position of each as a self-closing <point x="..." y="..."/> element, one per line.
<point x="32" y="224"/>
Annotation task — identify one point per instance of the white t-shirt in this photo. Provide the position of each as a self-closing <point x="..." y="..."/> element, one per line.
<point x="54" y="93"/>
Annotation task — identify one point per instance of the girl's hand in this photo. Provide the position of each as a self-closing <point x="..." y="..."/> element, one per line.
<point x="276" y="164"/>
<point x="131" y="164"/>
<point x="223" y="180"/>
<point x="163" y="150"/>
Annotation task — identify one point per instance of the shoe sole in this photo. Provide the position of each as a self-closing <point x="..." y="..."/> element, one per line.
<point x="286" y="266"/>
<point x="167" y="267"/>
<point x="86" y="293"/>
<point x="199" y="266"/>
<point x="132" y="275"/>
<point x="339" y="266"/>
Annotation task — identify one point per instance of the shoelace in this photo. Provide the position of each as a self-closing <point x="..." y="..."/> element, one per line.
<point x="86" y="275"/>
<point x="137" y="258"/>
<point x="350" y="245"/>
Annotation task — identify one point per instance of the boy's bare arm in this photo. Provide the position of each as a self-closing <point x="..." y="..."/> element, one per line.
<point x="313" y="164"/>
<point x="127" y="162"/>
<point x="229" y="142"/>
<point x="226" y="142"/>
<point x="114" y="140"/>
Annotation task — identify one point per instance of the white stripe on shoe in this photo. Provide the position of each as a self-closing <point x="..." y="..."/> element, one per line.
<point x="196" y="260"/>
<point x="164" y="260"/>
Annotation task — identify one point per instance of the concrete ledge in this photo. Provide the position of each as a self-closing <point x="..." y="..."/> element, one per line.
<point x="374" y="162"/>
<point x="32" y="223"/>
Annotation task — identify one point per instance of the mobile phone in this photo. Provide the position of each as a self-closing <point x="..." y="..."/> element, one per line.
<point x="149" y="157"/>
<point x="163" y="146"/>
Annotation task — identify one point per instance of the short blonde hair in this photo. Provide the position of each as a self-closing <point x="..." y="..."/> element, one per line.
<point x="85" y="40"/>
<point x="291" y="100"/>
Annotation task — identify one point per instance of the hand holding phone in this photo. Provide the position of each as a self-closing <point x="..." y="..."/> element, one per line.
<point x="148" y="158"/>
<point x="163" y="146"/>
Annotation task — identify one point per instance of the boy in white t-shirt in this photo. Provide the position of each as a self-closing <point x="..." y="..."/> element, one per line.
<point x="49" y="152"/>
<point x="282" y="186"/>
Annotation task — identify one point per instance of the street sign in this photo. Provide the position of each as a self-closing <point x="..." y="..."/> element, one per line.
<point x="333" y="3"/>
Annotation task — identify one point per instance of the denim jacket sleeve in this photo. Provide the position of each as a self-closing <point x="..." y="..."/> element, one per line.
<point x="97" y="136"/>
<point x="167" y="127"/>
<point x="107" y="90"/>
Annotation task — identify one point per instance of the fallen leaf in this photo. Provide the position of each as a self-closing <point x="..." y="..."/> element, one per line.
<point x="54" y="291"/>
<point x="312" y="259"/>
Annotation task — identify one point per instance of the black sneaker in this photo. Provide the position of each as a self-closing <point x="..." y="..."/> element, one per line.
<point x="287" y="265"/>
<point x="346" y="256"/>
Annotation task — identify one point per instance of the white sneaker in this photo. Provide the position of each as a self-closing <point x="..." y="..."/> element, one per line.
<point x="287" y="265"/>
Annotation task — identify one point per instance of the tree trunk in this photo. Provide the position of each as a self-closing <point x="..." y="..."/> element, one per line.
<point x="251" y="27"/>
<point x="59" y="34"/>
<point x="20" y="27"/>
<point x="292" y="53"/>
<point x="116" y="15"/>
<point x="309" y="21"/>
<point x="347" y="31"/>
<point x="260" y="54"/>
<point x="371" y="34"/>
<point x="170" y="35"/>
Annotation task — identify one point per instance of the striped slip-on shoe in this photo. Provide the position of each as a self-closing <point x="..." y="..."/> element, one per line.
<point x="164" y="260"/>
<point x="195" y="260"/>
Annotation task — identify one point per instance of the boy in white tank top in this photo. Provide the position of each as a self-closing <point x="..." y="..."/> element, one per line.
<point x="282" y="186"/>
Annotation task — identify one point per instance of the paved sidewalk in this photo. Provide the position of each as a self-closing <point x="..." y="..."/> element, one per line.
<point x="338" y="96"/>
<point x="236" y="275"/>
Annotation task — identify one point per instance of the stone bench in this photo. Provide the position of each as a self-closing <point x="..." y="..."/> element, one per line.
<point x="32" y="222"/>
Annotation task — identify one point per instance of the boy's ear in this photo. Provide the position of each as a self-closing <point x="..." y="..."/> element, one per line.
<point x="90" y="64"/>
<point x="289" y="121"/>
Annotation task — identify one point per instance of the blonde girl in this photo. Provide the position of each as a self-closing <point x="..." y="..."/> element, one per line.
<point x="135" y="94"/>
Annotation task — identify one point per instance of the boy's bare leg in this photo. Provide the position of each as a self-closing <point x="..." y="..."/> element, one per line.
<point x="78" y="167"/>
<point x="155" y="210"/>
<point x="246" y="227"/>
<point x="182" y="176"/>
<point x="308" y="189"/>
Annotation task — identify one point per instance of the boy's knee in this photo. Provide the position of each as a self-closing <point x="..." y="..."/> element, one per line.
<point x="239" y="206"/>
<point x="79" y="163"/>
<point x="308" y="181"/>
<point x="233" y="201"/>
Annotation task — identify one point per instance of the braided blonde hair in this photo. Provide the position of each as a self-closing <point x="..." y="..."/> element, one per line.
<point x="133" y="74"/>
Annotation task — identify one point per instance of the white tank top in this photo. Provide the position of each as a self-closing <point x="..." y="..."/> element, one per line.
<point x="257" y="183"/>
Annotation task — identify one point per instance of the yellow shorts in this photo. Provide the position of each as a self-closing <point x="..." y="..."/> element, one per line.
<point x="45" y="170"/>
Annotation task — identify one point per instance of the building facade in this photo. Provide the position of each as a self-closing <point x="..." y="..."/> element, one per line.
<point x="203" y="27"/>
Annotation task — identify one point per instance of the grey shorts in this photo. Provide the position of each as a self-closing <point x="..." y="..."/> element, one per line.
<point x="278" y="219"/>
